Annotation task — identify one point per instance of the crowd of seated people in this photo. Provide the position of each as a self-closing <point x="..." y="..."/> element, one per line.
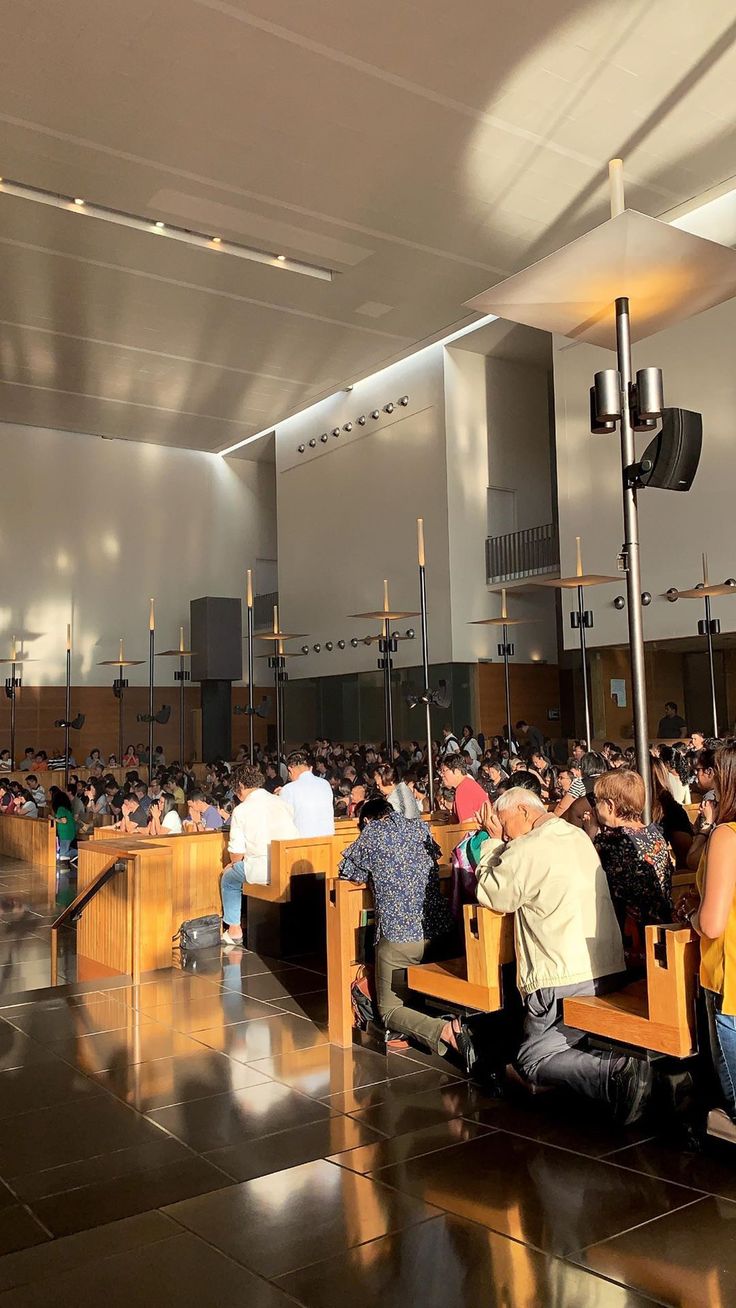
<point x="567" y="850"/>
<point x="561" y="842"/>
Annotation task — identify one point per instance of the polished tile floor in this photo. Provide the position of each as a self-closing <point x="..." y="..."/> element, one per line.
<point x="196" y="1138"/>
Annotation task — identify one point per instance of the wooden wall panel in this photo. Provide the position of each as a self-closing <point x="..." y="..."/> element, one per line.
<point x="535" y="688"/>
<point x="38" y="707"/>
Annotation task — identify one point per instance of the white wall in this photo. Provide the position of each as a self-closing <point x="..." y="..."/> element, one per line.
<point x="90" y="528"/>
<point x="519" y="445"/>
<point x="697" y="358"/>
<point x="347" y="513"/>
<point x="497" y="424"/>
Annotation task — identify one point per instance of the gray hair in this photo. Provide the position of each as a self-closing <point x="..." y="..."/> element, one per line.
<point x="515" y="796"/>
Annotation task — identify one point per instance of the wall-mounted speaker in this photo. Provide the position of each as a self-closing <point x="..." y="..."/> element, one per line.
<point x="674" y="454"/>
<point x="217" y="636"/>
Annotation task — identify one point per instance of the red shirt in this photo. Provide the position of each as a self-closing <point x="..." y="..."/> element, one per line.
<point x="469" y="798"/>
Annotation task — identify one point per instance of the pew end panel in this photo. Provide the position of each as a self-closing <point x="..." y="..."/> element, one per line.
<point x="657" y="1013"/>
<point x="347" y="905"/>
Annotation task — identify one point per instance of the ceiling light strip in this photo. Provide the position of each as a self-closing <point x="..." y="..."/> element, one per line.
<point x="217" y="244"/>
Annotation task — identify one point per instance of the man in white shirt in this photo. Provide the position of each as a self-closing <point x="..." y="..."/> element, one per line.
<point x="567" y="942"/>
<point x="450" y="743"/>
<point x="258" y="819"/>
<point x="308" y="798"/>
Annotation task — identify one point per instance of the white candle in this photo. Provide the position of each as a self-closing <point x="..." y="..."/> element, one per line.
<point x="420" y="539"/>
<point x="616" y="186"/>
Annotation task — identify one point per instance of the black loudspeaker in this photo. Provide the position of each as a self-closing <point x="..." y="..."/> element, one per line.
<point x="217" y="639"/>
<point x="674" y="454"/>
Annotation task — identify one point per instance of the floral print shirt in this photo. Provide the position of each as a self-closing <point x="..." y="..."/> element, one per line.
<point x="638" y="866"/>
<point x="398" y="858"/>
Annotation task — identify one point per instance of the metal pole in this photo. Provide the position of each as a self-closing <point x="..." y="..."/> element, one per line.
<point x="67" y="711"/>
<point x="507" y="682"/>
<point x="12" y="715"/>
<point x="711" y="665"/>
<point x="425" y="673"/>
<point x="584" y="663"/>
<point x="121" y="746"/>
<point x="631" y="547"/>
<point x="282" y="688"/>
<point x="277" y="693"/>
<point x="181" y="710"/>
<point x="151" y="655"/>
<point x="387" y="687"/>
<point x="251" y="724"/>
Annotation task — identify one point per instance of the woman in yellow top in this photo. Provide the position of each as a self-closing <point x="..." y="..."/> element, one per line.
<point x="711" y="912"/>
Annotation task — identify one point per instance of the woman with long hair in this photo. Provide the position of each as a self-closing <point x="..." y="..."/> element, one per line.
<point x="711" y="912"/>
<point x="66" y="827"/>
<point x="670" y="815"/>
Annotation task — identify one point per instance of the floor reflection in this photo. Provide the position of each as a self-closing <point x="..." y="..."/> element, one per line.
<point x="204" y="1108"/>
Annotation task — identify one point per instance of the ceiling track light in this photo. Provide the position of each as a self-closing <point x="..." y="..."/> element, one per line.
<point x="324" y="437"/>
<point x="375" y="414"/>
<point x="388" y="408"/>
<point x="361" y="420"/>
<point x="335" y="431"/>
<point x="348" y="426"/>
<point x="202" y="240"/>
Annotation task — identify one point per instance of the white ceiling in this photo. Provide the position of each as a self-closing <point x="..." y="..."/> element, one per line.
<point x="420" y="149"/>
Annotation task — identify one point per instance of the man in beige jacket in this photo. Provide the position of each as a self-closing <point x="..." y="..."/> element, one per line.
<point x="547" y="873"/>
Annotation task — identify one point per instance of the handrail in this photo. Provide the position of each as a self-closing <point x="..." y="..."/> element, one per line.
<point x="74" y="910"/>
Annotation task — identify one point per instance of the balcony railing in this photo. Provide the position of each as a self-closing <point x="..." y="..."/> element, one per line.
<point x="263" y="610"/>
<point x="527" y="553"/>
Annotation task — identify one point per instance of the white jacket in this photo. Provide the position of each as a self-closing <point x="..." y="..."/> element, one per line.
<point x="565" y="928"/>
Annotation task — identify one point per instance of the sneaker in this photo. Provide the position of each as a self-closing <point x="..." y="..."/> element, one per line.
<point x="395" y="1041"/>
<point x="631" y="1088"/>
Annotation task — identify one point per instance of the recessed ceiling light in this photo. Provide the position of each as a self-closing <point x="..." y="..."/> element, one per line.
<point x="216" y="240"/>
<point x="281" y="258"/>
<point x="159" y="223"/>
<point x="78" y="200"/>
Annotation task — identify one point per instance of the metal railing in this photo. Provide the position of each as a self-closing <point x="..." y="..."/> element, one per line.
<point x="73" y="911"/>
<point x="526" y="553"/>
<point x="263" y="610"/>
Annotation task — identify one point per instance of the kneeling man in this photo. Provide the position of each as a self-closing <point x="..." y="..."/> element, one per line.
<point x="568" y="942"/>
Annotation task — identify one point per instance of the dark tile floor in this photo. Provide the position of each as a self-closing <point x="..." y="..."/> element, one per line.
<point x="196" y="1138"/>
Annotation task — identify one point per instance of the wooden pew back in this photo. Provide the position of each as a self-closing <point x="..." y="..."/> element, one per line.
<point x="31" y="839"/>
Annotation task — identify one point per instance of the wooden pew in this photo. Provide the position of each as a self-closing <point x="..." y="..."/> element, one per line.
<point x="320" y="856"/>
<point x="474" y="980"/>
<point x="31" y="839"/>
<point x="657" y="1013"/>
<point x="302" y="856"/>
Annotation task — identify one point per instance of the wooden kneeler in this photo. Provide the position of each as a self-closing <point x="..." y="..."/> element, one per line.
<point x="657" y="1013"/>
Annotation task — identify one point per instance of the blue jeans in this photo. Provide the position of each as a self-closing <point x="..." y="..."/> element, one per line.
<point x="231" y="890"/>
<point x="722" y="1031"/>
<point x="65" y="847"/>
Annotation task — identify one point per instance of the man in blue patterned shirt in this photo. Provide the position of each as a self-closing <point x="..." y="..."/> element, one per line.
<point x="397" y="857"/>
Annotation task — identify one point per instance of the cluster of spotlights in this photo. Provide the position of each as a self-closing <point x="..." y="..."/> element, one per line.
<point x="348" y="426"/>
<point x="355" y="641"/>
